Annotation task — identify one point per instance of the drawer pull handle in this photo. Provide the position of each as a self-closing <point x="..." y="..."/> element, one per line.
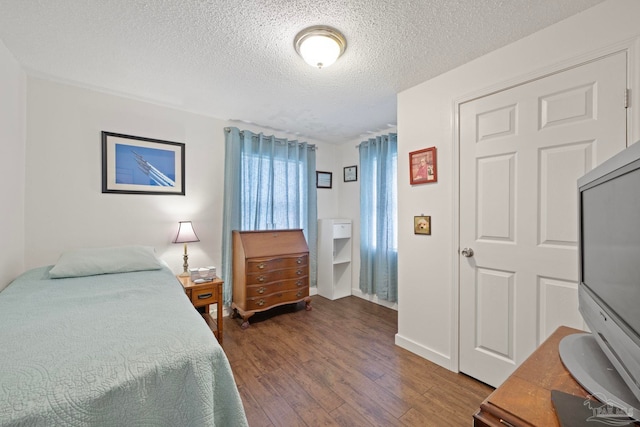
<point x="205" y="296"/>
<point x="299" y="294"/>
<point x="299" y="272"/>
<point x="260" y="303"/>
<point x="261" y="279"/>
<point x="299" y="283"/>
<point x="261" y="265"/>
<point x="299" y="260"/>
<point x="261" y="290"/>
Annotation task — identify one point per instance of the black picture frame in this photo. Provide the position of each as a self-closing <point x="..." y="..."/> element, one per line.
<point x="138" y="165"/>
<point x="324" y="179"/>
<point x="351" y="173"/>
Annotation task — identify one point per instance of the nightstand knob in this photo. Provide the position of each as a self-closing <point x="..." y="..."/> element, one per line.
<point x="299" y="272"/>
<point x="299" y="294"/>
<point x="299" y="283"/>
<point x="261" y="265"/>
<point x="261" y="290"/>
<point x="299" y="260"/>
<point x="261" y="279"/>
<point x="260" y="303"/>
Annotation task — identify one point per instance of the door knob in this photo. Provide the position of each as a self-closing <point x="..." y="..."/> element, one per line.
<point x="468" y="252"/>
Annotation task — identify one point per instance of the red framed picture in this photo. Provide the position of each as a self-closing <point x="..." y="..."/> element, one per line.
<point x="423" y="166"/>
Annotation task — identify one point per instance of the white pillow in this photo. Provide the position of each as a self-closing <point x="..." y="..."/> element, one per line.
<point x="90" y="262"/>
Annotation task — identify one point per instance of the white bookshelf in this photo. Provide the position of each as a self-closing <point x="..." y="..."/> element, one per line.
<point x="334" y="258"/>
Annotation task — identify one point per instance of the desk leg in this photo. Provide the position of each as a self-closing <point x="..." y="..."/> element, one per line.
<point x="237" y="311"/>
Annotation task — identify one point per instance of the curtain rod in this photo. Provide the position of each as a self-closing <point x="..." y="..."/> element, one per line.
<point x="374" y="138"/>
<point x="279" y="140"/>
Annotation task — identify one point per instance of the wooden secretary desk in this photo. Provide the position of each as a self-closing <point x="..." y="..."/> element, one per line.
<point x="270" y="268"/>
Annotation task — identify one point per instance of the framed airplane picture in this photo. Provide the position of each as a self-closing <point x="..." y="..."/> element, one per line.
<point x="137" y="165"/>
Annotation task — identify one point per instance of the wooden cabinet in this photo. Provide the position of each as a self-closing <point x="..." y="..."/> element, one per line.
<point x="334" y="258"/>
<point x="524" y="399"/>
<point x="204" y="294"/>
<point x="270" y="268"/>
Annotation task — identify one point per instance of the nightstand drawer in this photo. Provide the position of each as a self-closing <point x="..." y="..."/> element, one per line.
<point x="203" y="296"/>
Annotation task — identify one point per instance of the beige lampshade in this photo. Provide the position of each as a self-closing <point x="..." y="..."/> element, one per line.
<point x="186" y="233"/>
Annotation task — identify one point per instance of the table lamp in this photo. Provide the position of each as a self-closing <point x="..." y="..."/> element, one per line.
<point x="185" y="235"/>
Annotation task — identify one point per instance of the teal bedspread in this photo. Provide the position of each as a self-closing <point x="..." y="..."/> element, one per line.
<point x="111" y="350"/>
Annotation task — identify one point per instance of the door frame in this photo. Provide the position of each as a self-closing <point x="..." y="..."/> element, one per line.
<point x="632" y="50"/>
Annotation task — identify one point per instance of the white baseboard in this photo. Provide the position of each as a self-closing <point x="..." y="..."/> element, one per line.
<point x="373" y="298"/>
<point x="425" y="352"/>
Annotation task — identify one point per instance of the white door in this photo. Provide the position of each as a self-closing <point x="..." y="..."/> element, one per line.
<point x="521" y="152"/>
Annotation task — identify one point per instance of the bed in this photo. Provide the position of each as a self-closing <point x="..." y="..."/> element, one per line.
<point x="110" y="348"/>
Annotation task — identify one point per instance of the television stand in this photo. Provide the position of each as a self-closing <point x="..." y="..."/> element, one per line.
<point x="524" y="399"/>
<point x="588" y="364"/>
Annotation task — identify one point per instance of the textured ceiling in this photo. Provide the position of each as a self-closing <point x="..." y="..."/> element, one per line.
<point x="235" y="60"/>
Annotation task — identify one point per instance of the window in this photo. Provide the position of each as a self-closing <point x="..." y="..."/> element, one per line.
<point x="269" y="184"/>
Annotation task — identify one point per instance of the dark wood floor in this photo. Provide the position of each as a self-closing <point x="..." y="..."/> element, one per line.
<point x="337" y="365"/>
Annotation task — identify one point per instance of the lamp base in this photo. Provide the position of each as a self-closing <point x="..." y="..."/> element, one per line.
<point x="185" y="264"/>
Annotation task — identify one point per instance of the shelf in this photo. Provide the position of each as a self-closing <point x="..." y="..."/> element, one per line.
<point x="334" y="258"/>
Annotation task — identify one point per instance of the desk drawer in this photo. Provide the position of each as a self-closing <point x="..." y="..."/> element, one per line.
<point x="277" y="275"/>
<point x="268" y="264"/>
<point x="284" y="285"/>
<point x="264" y="302"/>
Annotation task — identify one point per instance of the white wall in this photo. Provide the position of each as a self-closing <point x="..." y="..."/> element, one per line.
<point x="427" y="319"/>
<point x="349" y="204"/>
<point x="12" y="166"/>
<point x="65" y="207"/>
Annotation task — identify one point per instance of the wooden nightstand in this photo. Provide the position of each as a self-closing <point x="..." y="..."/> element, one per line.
<point x="203" y="294"/>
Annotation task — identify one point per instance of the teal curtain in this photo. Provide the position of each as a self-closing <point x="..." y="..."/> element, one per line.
<point x="378" y="217"/>
<point x="269" y="183"/>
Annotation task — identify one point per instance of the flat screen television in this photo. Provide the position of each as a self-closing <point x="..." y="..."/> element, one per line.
<point x="606" y="362"/>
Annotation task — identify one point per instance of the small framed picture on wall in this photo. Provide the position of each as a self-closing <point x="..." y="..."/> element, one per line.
<point x="323" y="179"/>
<point x="423" y="166"/>
<point x="421" y="224"/>
<point x="350" y="173"/>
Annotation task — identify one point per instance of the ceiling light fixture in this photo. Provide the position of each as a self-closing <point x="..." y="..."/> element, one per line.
<point x="320" y="45"/>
